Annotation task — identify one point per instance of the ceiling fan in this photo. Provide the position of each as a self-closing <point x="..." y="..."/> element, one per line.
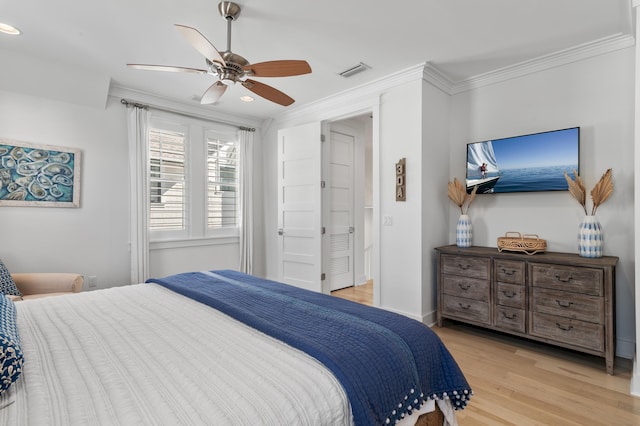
<point x="230" y="68"/>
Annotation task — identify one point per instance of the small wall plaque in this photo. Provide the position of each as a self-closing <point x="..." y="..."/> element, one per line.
<point x="401" y="184"/>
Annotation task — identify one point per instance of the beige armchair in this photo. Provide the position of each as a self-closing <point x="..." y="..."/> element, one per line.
<point x="43" y="284"/>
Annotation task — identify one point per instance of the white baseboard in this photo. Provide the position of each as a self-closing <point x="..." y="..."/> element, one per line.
<point x="635" y="379"/>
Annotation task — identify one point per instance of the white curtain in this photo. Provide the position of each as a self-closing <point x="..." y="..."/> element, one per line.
<point x="245" y="138"/>
<point x="138" y="124"/>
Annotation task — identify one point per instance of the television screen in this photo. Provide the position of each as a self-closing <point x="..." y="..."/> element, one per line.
<point x="526" y="163"/>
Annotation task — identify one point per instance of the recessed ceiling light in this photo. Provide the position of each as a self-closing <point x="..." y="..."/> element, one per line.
<point x="246" y="98"/>
<point x="9" y="29"/>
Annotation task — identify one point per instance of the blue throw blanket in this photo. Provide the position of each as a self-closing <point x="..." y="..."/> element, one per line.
<point x="388" y="364"/>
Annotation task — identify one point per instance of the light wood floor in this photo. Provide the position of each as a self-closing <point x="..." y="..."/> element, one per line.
<point x="359" y="293"/>
<point x="517" y="382"/>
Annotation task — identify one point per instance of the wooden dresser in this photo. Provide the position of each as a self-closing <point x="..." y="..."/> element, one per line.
<point x="557" y="298"/>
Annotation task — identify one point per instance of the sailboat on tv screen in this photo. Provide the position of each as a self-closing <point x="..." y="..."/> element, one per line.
<point x="482" y="167"/>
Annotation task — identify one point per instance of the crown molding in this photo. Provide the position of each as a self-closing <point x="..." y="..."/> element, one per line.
<point x="357" y="98"/>
<point x="438" y="79"/>
<point x="545" y="62"/>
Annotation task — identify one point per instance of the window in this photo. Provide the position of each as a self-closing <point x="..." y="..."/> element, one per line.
<point x="222" y="168"/>
<point x="167" y="179"/>
<point x="193" y="179"/>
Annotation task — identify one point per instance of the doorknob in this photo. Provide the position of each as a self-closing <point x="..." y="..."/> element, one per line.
<point x="280" y="231"/>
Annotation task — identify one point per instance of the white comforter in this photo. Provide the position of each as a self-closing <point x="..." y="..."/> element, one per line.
<point x="143" y="355"/>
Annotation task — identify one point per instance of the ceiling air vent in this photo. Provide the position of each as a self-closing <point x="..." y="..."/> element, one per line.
<point x="354" y="70"/>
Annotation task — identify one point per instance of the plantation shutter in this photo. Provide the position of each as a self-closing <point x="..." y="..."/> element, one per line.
<point x="167" y="180"/>
<point x="222" y="188"/>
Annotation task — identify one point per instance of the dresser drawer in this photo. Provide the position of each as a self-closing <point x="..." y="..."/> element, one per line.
<point x="468" y="309"/>
<point x="569" y="305"/>
<point x="567" y="278"/>
<point x="510" y="295"/>
<point x="507" y="271"/>
<point x="568" y="331"/>
<point x="466" y="266"/>
<point x="510" y="319"/>
<point x="470" y="288"/>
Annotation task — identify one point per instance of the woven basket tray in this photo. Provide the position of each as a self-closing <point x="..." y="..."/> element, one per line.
<point x="527" y="243"/>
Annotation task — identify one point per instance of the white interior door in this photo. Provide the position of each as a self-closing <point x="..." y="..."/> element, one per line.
<point x="300" y="206"/>
<point x="339" y="207"/>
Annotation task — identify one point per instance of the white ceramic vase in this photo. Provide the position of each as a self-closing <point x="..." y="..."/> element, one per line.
<point x="590" y="238"/>
<point x="464" y="231"/>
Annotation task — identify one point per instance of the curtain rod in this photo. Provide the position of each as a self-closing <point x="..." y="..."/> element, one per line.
<point x="143" y="106"/>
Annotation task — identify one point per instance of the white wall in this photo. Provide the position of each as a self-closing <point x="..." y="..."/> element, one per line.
<point x="594" y="94"/>
<point x="92" y="239"/>
<point x="435" y="175"/>
<point x="400" y="243"/>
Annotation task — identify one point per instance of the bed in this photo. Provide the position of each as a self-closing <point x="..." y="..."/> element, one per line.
<point x="220" y="347"/>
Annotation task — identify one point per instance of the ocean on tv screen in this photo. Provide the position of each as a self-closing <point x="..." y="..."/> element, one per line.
<point x="534" y="179"/>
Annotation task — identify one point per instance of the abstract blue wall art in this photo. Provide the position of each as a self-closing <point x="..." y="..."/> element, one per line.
<point x="38" y="175"/>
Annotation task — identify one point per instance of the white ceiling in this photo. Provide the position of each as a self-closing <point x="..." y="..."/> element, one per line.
<point x="462" y="38"/>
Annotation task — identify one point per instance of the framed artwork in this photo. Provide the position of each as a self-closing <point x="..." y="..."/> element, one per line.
<point x="38" y="175"/>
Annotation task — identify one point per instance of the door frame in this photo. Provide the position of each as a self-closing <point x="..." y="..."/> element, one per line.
<point x="372" y="108"/>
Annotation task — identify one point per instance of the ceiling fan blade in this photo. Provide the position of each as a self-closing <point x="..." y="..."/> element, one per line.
<point x="200" y="43"/>
<point x="213" y="93"/>
<point x="268" y="92"/>
<point x="166" y="68"/>
<point x="285" y="68"/>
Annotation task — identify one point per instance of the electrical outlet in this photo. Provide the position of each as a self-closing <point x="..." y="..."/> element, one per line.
<point x="387" y="220"/>
<point x="92" y="281"/>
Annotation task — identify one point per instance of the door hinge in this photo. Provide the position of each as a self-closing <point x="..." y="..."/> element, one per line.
<point x="322" y="138"/>
<point x="322" y="184"/>
<point x="323" y="276"/>
<point x="351" y="229"/>
<point x="323" y="230"/>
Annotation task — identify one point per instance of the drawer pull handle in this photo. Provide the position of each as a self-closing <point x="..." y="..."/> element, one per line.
<point x="509" y="294"/>
<point x="564" y="280"/>
<point x="563" y="304"/>
<point x="512" y="317"/>
<point x="464" y="287"/>
<point x="511" y="272"/>
<point x="464" y="267"/>
<point x="564" y="328"/>
<point x="464" y="306"/>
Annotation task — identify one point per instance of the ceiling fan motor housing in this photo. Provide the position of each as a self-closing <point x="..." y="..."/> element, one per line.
<point x="229" y="10"/>
<point x="232" y="71"/>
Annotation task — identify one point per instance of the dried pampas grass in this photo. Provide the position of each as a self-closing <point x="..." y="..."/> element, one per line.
<point x="599" y="194"/>
<point x="458" y="194"/>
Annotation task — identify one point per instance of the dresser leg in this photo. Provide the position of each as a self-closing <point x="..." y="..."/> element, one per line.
<point x="609" y="361"/>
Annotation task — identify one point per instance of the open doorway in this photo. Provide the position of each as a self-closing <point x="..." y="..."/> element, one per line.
<point x="348" y="211"/>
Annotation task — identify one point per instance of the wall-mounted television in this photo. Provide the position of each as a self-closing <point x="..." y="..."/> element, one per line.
<point x="525" y="163"/>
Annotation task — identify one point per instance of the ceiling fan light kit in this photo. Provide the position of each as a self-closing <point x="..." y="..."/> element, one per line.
<point x="230" y="68"/>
